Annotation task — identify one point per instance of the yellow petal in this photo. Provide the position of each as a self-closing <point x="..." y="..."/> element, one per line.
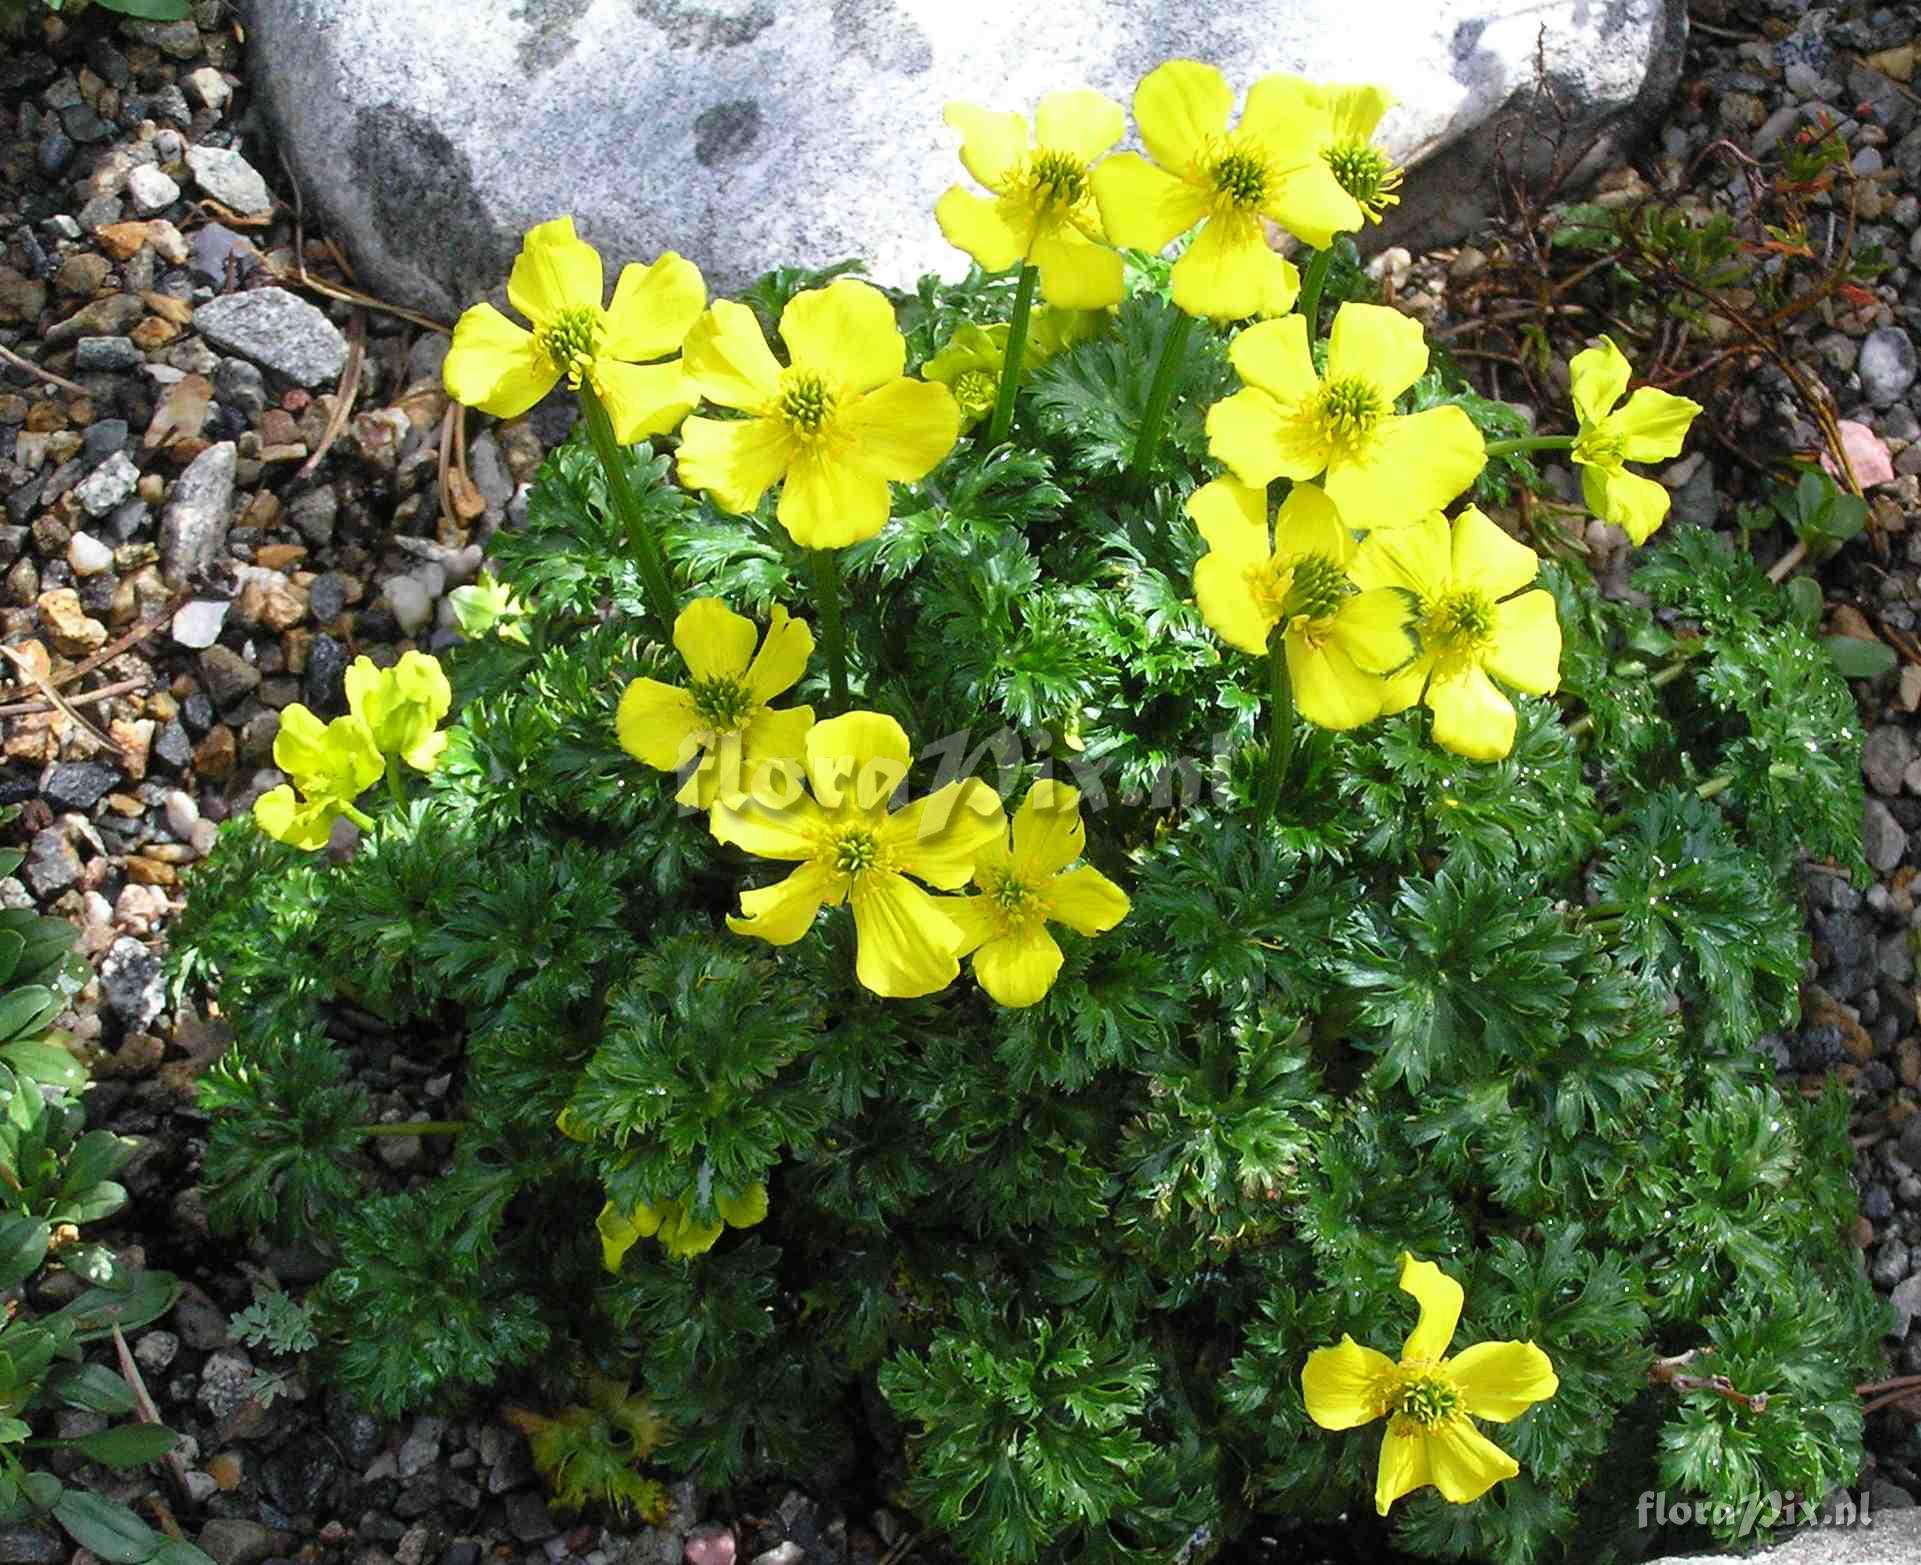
<point x="1048" y="834"/>
<point x="992" y="144"/>
<point x="299" y="824"/>
<point x="1471" y="717"/>
<point x="1653" y="424"/>
<point x="1597" y="379"/>
<point x="1018" y="969"/>
<point x="782" y="658"/>
<point x="938" y="837"/>
<point x="1226" y="272"/>
<point x="644" y="400"/>
<point x="713" y="768"/>
<point x="1502" y="1380"/>
<point x="1403" y="1466"/>
<point x="977" y="227"/>
<point x="1417" y="558"/>
<point x="844" y="332"/>
<point x="831" y="500"/>
<point x="728" y="358"/>
<point x="735" y="460"/>
<point x="1411" y="466"/>
<point x="1142" y="205"/>
<point x="1329" y="691"/>
<point x="1179" y="107"/>
<point x="1341" y="1385"/>
<point x="1439" y="1297"/>
<point x="1274" y="356"/>
<point x="1232" y="518"/>
<point x="906" y="944"/>
<point x="1260" y="440"/>
<point x="1310" y="204"/>
<point x="1526" y="652"/>
<point x="683" y="1237"/>
<point x="617" y="1234"/>
<point x="1355" y="110"/>
<point x="1371" y="628"/>
<point x="1309" y="522"/>
<point x="903" y="430"/>
<point x="781" y="913"/>
<point x="1376" y="344"/>
<point x="1081" y="124"/>
<point x="770" y="829"/>
<point x="495" y="366"/>
<point x="856" y="761"/>
<point x="715" y="642"/>
<point x="1086" y="901"/>
<point x="776" y="734"/>
<point x="1077" y="274"/>
<point x="556" y="271"/>
<point x="746" y="1210"/>
<point x="1463" y="1463"/>
<point x="654" y="308"/>
<point x="1281" y="286"/>
<point x="656" y="725"/>
<point x="1286" y="115"/>
<point x="1635" y="504"/>
<point x="1487" y="558"/>
<point x="300" y="745"/>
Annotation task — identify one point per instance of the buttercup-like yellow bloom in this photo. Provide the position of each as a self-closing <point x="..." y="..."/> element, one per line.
<point x="1650" y="428"/>
<point x="1338" y="641"/>
<point x="1429" y="1399"/>
<point x="1025" y="885"/>
<point x="1337" y="123"/>
<point x="402" y="706"/>
<point x="331" y="764"/>
<point x="850" y="849"/>
<point x="487" y="605"/>
<point x="1043" y="208"/>
<point x="671" y="1223"/>
<point x="1382" y="468"/>
<point x="722" y="715"/>
<point x="1471" y="625"/>
<point x="839" y="423"/>
<point x="622" y="351"/>
<point x="970" y="363"/>
<point x="1267" y="166"/>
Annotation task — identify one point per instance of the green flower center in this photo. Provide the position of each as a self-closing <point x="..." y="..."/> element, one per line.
<point x="571" y="341"/>
<point x="1239" y="179"/>
<point x="855" y="852"/>
<point x="1056" y="179"/>
<point x="1318" y="587"/>
<point x="1365" y="174"/>
<point x="805" y="403"/>
<point x="1427" y="1397"/>
<point x="1350" y="408"/>
<point x="1017" y="903"/>
<point x="976" y="391"/>
<point x="723" y="705"/>
<point x="1598" y="447"/>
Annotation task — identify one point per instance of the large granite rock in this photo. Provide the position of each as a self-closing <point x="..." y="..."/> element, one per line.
<point x="753" y="133"/>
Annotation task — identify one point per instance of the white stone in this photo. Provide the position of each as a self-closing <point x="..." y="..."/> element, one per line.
<point x="748" y="134"/>
<point x="230" y="179"/>
<point x="182" y="813"/>
<point x="412" y="605"/>
<point x="207" y="87"/>
<point x="1888" y="1537"/>
<point x="197" y="624"/>
<point x="107" y="485"/>
<point x="152" y="191"/>
<point x="88" y="555"/>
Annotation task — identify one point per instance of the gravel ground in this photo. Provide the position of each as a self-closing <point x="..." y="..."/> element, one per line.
<point x="197" y="532"/>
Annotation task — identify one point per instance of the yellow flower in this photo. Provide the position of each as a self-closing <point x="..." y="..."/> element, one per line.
<point x="402" y="706"/>
<point x="1202" y="172"/>
<point x="1352" y="181"/>
<point x="1427" y="1399"/>
<point x="722" y="715"/>
<point x="970" y="362"/>
<point x="850" y="849"/>
<point x="1338" y="641"/>
<point x="487" y="604"/>
<point x="1471" y="625"/>
<point x="1650" y="428"/>
<point x="556" y="283"/>
<point x="672" y="1224"/>
<point x="840" y="423"/>
<point x="1043" y="207"/>
<point x="1382" y="468"/>
<point x="1027" y="885"/>
<point x="331" y="764"/>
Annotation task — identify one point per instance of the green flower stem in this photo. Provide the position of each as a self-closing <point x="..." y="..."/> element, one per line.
<point x="833" y="634"/>
<point x="396" y="789"/>
<point x="1016" y="350"/>
<point x="1159" y="394"/>
<point x="1661" y="678"/>
<point x="1310" y="304"/>
<point x="417" y="1127"/>
<point x="1714" y="785"/>
<point x="654" y="579"/>
<point x="358" y="816"/>
<point x="1531" y="443"/>
<point x="1280" y="727"/>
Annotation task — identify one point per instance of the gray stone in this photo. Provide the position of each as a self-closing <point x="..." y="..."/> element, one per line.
<point x="156" y="1350"/>
<point x="112" y="316"/>
<point x="1906" y="1300"/>
<point x="194" y="525"/>
<point x="229" y="1540"/>
<point x="78" y="785"/>
<point x="412" y="606"/>
<point x="397" y="130"/>
<point x="51" y="865"/>
<point x="223" y="1386"/>
<point x="240" y="386"/>
<point x="277" y="329"/>
<point x="216" y="249"/>
<point x="1886" y="365"/>
<point x="1893" y="1538"/>
<point x="313" y="515"/>
<point x="104" y="488"/>
<point x="421" y="1449"/>
<point x="133" y="983"/>
<point x="30" y="1546"/>
<point x="105" y="353"/>
<point x="208" y="88"/>
<point x="152" y="191"/>
<point x="1885" y="756"/>
<point x="197" y="624"/>
<point x="528" y="1518"/>
<point x="231" y="180"/>
<point x="1882" y="839"/>
<point x="230" y="678"/>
